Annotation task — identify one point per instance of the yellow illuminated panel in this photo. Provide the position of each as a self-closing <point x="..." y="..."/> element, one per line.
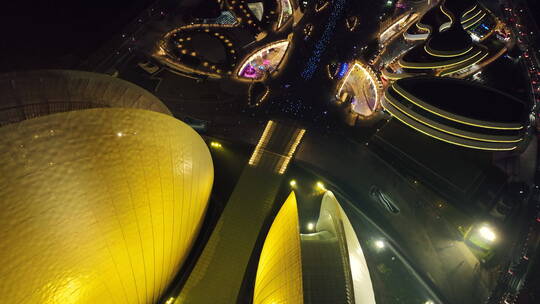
<point x="284" y="161"/>
<point x="99" y="205"/>
<point x="263" y="141"/>
<point x="279" y="273"/>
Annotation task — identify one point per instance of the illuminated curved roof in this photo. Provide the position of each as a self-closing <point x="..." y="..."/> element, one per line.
<point x="422" y="58"/>
<point x="452" y="42"/>
<point x="363" y="86"/>
<point x="98" y="205"/>
<point x="262" y="62"/>
<point x="458" y="112"/>
<point x="35" y="93"/>
<point x="449" y="95"/>
<point x="279" y="274"/>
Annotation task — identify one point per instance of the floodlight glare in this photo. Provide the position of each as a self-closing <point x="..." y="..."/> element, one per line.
<point x="292" y="183"/>
<point x="321" y="186"/>
<point x="310" y="226"/>
<point x="379" y="244"/>
<point x="487" y="233"/>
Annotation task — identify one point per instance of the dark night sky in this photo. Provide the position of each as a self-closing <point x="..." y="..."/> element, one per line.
<point x="44" y="33"/>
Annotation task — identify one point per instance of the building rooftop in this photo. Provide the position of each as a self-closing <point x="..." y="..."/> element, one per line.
<point x="466" y="98"/>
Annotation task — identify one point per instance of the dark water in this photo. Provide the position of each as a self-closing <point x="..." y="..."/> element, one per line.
<point x="44" y="34"/>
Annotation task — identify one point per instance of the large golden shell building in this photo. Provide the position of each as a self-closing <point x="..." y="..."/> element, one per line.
<point x="102" y="192"/>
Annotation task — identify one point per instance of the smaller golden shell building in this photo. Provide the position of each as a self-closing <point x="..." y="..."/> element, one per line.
<point x="97" y="205"/>
<point x="279" y="274"/>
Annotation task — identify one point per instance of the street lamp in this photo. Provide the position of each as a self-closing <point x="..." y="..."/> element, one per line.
<point x="379" y="244"/>
<point x="215" y="144"/>
<point x="310" y="226"/>
<point x="292" y="183"/>
<point x="170" y="300"/>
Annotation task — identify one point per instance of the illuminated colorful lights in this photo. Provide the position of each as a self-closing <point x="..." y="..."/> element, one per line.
<point x="263" y="61"/>
<point x="342" y="70"/>
<point x="338" y="6"/>
<point x="369" y="102"/>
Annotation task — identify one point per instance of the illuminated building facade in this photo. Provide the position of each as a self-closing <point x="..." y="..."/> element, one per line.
<point x="102" y="192"/>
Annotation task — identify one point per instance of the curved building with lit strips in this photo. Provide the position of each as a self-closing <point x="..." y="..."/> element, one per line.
<point x="102" y="196"/>
<point x="455" y="34"/>
<point x="458" y="112"/>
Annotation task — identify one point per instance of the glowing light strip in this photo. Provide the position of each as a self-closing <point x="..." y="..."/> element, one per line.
<point x="470" y="18"/>
<point x="402" y="64"/>
<point x="426" y="48"/>
<point x="266" y="93"/>
<point x="461" y="69"/>
<point x="475" y="22"/>
<point x="291" y="151"/>
<point x="395" y="76"/>
<point x="445" y="26"/>
<point x="423" y="27"/>
<point x="320" y="8"/>
<point x="277" y="44"/>
<point x="445" y="140"/>
<point x="433" y="124"/>
<point x="472" y="9"/>
<point x="445" y="114"/>
<point x="263" y="141"/>
<point x="448" y="14"/>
